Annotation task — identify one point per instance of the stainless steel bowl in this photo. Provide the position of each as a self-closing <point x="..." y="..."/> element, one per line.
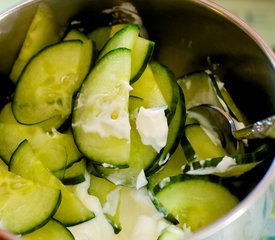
<point x="190" y="35"/>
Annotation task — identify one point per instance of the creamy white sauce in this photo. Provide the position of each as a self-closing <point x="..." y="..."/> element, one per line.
<point x="141" y="180"/>
<point x="112" y="202"/>
<point x="97" y="228"/>
<point x="152" y="127"/>
<point x="224" y="165"/>
<point x="138" y="216"/>
<point x="109" y="114"/>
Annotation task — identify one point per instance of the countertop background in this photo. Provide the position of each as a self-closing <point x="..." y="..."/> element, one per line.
<point x="260" y="15"/>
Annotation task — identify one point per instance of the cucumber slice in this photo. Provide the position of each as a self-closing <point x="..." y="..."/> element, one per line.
<point x="229" y="166"/>
<point x="75" y="174"/>
<point x="102" y="34"/>
<point x="13" y="134"/>
<point x="194" y="201"/>
<point x="173" y="167"/>
<point x="56" y="150"/>
<point x="25" y="205"/>
<point x="147" y="88"/>
<point x="43" y="31"/>
<point x="6" y="114"/>
<point x="3" y="164"/>
<point x="141" y="54"/>
<point x="48" y="83"/>
<point x="108" y="195"/>
<point x="203" y="145"/>
<point x="168" y="86"/>
<point x="53" y="230"/>
<point x="88" y="52"/>
<point x="124" y="38"/>
<point x="100" y="117"/>
<point x="24" y="163"/>
<point x="175" y="133"/>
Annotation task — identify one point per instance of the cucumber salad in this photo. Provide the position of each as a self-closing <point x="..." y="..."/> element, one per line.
<point x="99" y="139"/>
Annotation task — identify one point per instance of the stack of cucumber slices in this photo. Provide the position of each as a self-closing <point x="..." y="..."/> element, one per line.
<point x="97" y="107"/>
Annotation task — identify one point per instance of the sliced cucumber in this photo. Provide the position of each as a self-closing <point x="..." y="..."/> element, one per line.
<point x="166" y="80"/>
<point x="108" y="195"/>
<point x="75" y="174"/>
<point x="173" y="167"/>
<point x="48" y="83"/>
<point x="141" y="54"/>
<point x="44" y="30"/>
<point x="25" y="205"/>
<point x="102" y="34"/>
<point x="229" y="166"/>
<point x="175" y="133"/>
<point x="88" y="52"/>
<point x="147" y="88"/>
<point x="3" y="164"/>
<point x="100" y="118"/>
<point x="124" y="38"/>
<point x="53" y="230"/>
<point x="203" y="145"/>
<point x="12" y="134"/>
<point x="6" y="114"/>
<point x="56" y="150"/>
<point x="194" y="201"/>
<point x="24" y="163"/>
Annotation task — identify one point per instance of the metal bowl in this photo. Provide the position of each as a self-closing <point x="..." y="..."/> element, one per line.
<point x="190" y="35"/>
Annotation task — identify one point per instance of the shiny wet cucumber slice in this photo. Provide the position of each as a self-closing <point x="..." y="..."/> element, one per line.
<point x="167" y="83"/>
<point x="74" y="174"/>
<point x="24" y="163"/>
<point x="173" y="167"/>
<point x="195" y="201"/>
<point x="126" y="36"/>
<point x="229" y="166"/>
<point x="3" y="164"/>
<point x="88" y="52"/>
<point x="204" y="145"/>
<point x="102" y="34"/>
<point x="101" y="124"/>
<point x="175" y="133"/>
<point x="45" y="89"/>
<point x="25" y="205"/>
<point x="44" y="30"/>
<point x="56" y="150"/>
<point x="53" y="230"/>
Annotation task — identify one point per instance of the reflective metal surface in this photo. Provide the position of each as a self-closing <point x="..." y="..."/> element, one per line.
<point x="189" y="36"/>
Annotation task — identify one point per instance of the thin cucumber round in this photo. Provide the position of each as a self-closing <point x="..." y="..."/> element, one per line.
<point x="25" y="205"/>
<point x="53" y="230"/>
<point x="24" y="163"/>
<point x="45" y="89"/>
<point x="101" y="125"/>
<point x="195" y="201"/>
<point x="229" y="166"/>
<point x="44" y="30"/>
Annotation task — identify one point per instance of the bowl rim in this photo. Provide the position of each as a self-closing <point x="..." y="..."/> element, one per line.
<point x="269" y="178"/>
